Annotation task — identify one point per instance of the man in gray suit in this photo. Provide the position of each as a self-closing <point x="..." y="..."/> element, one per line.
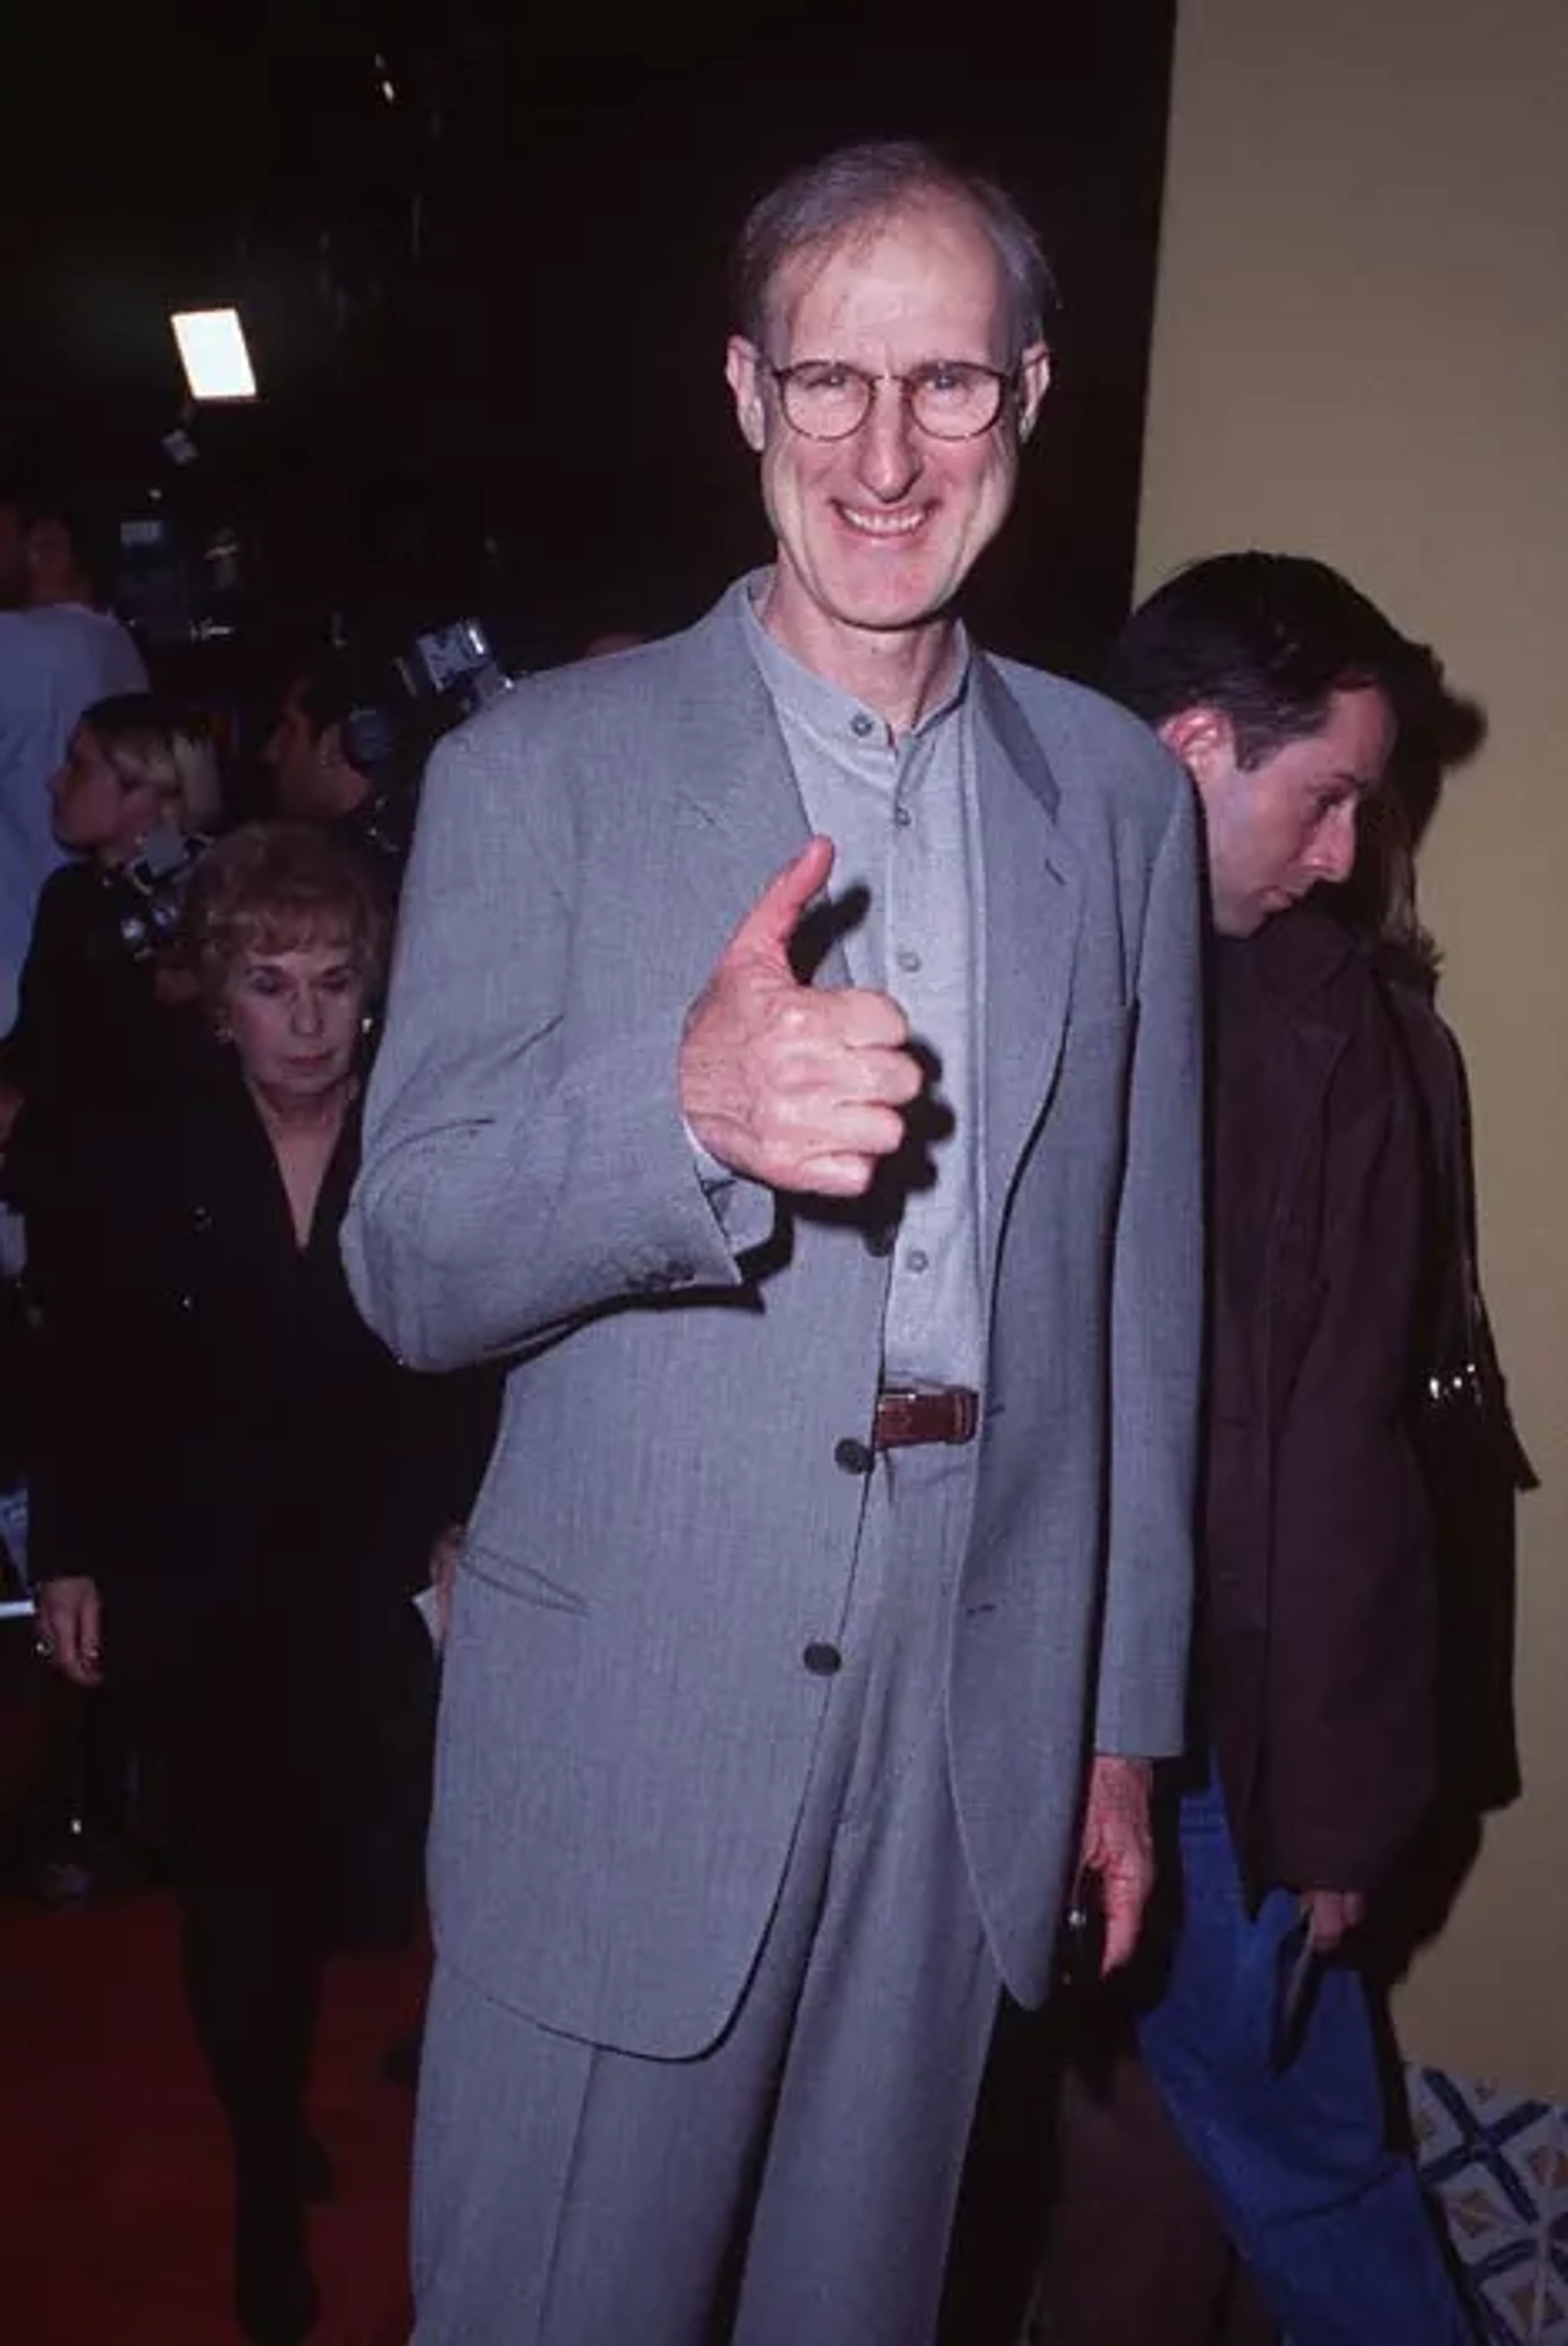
<point x="827" y="1595"/>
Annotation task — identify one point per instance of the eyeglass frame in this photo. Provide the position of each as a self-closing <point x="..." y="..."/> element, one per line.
<point x="1008" y="381"/>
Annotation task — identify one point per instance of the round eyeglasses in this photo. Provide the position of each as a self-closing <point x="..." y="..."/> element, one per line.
<point x="949" y="399"/>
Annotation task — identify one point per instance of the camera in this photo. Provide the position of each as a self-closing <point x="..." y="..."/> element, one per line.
<point x="458" y="658"/>
<point x="391" y="707"/>
<point x="397" y="707"/>
<point x="147" y="895"/>
<point x="439" y="678"/>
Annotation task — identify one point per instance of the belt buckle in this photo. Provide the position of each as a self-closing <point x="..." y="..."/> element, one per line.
<point x="965" y="1413"/>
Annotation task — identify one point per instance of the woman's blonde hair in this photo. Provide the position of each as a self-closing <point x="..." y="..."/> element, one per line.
<point x="167" y="749"/>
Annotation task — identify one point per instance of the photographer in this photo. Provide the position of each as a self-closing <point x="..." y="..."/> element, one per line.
<point x="334" y="764"/>
<point x="103" y="1017"/>
<point x="100" y="1012"/>
<point x="355" y="727"/>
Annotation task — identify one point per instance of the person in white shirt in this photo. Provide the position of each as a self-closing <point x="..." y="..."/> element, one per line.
<point x="58" y="654"/>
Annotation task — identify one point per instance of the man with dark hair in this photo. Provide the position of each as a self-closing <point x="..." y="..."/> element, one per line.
<point x="1281" y="688"/>
<point x="827" y="1597"/>
<point x="59" y="652"/>
<point x="346" y="753"/>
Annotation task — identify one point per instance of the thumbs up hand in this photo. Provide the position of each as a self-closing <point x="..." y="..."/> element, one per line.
<point x="794" y="1085"/>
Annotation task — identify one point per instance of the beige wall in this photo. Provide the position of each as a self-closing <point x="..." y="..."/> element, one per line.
<point x="1361" y="352"/>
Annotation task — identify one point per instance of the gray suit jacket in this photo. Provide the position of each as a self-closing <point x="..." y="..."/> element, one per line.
<point x="628" y="1724"/>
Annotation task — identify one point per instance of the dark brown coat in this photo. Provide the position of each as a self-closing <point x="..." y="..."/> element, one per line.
<point x="1317" y="1637"/>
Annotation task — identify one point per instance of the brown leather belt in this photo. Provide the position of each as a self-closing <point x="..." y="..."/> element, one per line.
<point x="906" y="1415"/>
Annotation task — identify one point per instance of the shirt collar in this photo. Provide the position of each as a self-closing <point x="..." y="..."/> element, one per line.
<point x="833" y="715"/>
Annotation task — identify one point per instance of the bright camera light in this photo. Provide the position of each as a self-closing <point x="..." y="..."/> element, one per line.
<point x="213" y="353"/>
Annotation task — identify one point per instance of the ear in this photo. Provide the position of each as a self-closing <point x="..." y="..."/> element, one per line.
<point x="1033" y="381"/>
<point x="1203" y="739"/>
<point x="743" y="373"/>
<point x="144" y="809"/>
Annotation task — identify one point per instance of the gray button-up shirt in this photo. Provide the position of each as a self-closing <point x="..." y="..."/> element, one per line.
<point x="902" y="815"/>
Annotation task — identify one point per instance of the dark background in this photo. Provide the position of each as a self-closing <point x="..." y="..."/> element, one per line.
<point x="488" y="316"/>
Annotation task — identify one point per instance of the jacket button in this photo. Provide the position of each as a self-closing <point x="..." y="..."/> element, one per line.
<point x="822" y="1660"/>
<point x="851" y="1455"/>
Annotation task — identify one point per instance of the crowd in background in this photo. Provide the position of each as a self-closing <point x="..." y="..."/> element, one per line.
<point x="233" y="1491"/>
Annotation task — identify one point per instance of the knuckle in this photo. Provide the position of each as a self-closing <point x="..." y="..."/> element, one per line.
<point x="796" y="1013"/>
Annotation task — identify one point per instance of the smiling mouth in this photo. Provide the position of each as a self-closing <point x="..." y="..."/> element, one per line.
<point x="880" y="524"/>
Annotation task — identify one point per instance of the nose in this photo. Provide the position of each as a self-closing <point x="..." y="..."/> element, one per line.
<point x="888" y="453"/>
<point x="307" y="1015"/>
<point x="1333" y="854"/>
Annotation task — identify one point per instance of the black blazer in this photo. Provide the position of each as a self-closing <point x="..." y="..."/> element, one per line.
<point x="213" y="1407"/>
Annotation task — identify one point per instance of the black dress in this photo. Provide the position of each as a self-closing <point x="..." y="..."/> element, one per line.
<point x="254" y="1482"/>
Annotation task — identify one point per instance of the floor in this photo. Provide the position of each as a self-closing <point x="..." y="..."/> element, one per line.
<point x="113" y="2198"/>
<point x="116" y="2191"/>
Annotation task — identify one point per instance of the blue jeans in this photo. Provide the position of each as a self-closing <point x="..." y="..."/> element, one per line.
<point x="1329" y="2218"/>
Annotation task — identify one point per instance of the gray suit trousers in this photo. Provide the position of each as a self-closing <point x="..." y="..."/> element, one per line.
<point x="794" y="2184"/>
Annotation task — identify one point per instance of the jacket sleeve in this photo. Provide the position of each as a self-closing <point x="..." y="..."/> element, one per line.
<point x="1157" y="1324"/>
<point x="1350" y="1714"/>
<point x="512" y="1186"/>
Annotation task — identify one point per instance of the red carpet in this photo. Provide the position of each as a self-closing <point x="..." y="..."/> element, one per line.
<point x="114" y="2198"/>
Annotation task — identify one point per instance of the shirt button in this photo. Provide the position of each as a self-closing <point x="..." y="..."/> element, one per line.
<point x="823" y="1661"/>
<point x="851" y="1455"/>
<point x="902" y="817"/>
<point x="882" y="1240"/>
<point x="861" y="724"/>
<point x="917" y="1259"/>
<point x="907" y="958"/>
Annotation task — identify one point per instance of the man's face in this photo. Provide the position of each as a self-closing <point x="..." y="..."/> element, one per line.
<point x="877" y="532"/>
<point x="1278" y="829"/>
<point x="311" y="780"/>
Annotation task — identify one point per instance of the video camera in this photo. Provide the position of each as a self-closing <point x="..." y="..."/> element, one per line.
<point x="147" y="895"/>
<point x="392" y="708"/>
<point x="396" y="706"/>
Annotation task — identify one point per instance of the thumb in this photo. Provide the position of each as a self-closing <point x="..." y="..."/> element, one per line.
<point x="764" y="933"/>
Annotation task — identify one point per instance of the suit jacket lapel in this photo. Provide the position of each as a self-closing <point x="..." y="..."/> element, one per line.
<point x="734" y="769"/>
<point x="1034" y="902"/>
